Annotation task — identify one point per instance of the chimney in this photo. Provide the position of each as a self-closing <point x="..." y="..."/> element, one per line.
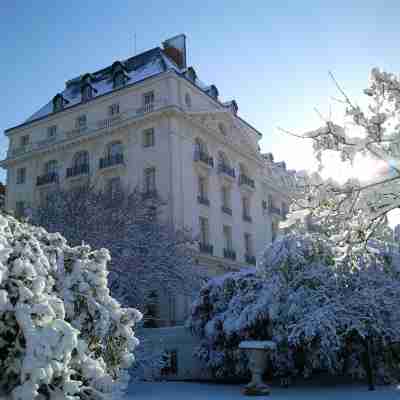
<point x="175" y="48"/>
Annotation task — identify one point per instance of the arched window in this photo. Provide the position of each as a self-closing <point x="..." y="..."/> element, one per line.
<point x="114" y="150"/>
<point x="51" y="167"/>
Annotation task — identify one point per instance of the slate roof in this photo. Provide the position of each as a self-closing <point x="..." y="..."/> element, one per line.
<point x="138" y="68"/>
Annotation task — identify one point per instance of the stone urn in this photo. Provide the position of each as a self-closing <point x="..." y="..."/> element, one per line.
<point x="257" y="352"/>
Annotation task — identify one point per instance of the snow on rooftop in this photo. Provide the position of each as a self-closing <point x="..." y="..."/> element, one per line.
<point x="151" y="68"/>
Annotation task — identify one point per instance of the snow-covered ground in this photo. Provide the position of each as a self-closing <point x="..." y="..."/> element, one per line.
<point x="205" y="391"/>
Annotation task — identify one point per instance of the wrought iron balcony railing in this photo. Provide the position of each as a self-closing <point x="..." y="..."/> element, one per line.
<point x="45" y="179"/>
<point x="109" y="122"/>
<point x="274" y="210"/>
<point x="76" y="170"/>
<point x="206" y="248"/>
<point x="203" y="200"/>
<point x="203" y="157"/>
<point x="226" y="210"/>
<point x="110" y="161"/>
<point x="229" y="253"/>
<point x="149" y="194"/>
<point x="250" y="259"/>
<point x="247" y="218"/>
<point x="226" y="169"/>
<point x="245" y="180"/>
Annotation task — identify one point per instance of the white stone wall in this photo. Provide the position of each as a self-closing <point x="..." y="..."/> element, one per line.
<point x="176" y="127"/>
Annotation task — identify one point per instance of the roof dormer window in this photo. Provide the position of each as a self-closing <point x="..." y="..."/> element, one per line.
<point x="59" y="102"/>
<point x="87" y="90"/>
<point x="87" y="93"/>
<point x="119" y="75"/>
<point x="119" y="80"/>
<point x="191" y="74"/>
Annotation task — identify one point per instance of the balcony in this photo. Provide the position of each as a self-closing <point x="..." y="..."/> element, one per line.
<point x="206" y="248"/>
<point x="229" y="253"/>
<point x="46" y="142"/>
<point x="250" y="259"/>
<point x="247" y="218"/>
<point x="227" y="170"/>
<point x="274" y="210"/>
<point x="109" y="122"/>
<point x="111" y="161"/>
<point x="45" y="179"/>
<point x="76" y="170"/>
<point x="204" y="158"/>
<point x="147" y="108"/>
<point x="203" y="200"/>
<point x="149" y="194"/>
<point x="226" y="210"/>
<point x="245" y="180"/>
<point x="76" y="132"/>
<point x="21" y="150"/>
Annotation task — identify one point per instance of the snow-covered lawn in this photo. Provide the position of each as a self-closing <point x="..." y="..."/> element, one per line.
<point x="205" y="391"/>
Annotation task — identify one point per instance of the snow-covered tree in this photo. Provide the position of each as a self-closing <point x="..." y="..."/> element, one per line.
<point x="147" y="254"/>
<point x="322" y="314"/>
<point x="62" y="336"/>
<point x="367" y="133"/>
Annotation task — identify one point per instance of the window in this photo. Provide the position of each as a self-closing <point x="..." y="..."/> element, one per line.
<point x="227" y="233"/>
<point x="148" y="98"/>
<point x="203" y="192"/>
<point x="204" y="230"/>
<point x="114" y="186"/>
<point x="114" y="150"/>
<point x="188" y="100"/>
<point x="58" y="103"/>
<point x="20" y="209"/>
<point x="246" y="206"/>
<point x="119" y="79"/>
<point x="21" y="175"/>
<point x="148" y="137"/>
<point x="149" y="180"/>
<point x="51" y="167"/>
<point x="113" y="109"/>
<point x="24" y="140"/>
<point x="248" y="244"/>
<point x="81" y="158"/>
<point x="81" y="122"/>
<point x="226" y="197"/>
<point x="87" y="93"/>
<point x="52" y="131"/>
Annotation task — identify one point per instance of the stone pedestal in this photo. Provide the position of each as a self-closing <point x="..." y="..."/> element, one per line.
<point x="257" y="352"/>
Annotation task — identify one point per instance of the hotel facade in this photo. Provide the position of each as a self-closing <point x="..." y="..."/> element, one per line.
<point x="149" y="122"/>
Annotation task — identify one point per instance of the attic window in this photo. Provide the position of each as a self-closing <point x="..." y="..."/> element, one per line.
<point x="118" y="79"/>
<point x="87" y="93"/>
<point x="58" y="103"/>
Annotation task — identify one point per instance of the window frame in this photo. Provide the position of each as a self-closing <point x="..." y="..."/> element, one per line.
<point x="21" y="176"/>
<point x="148" y="137"/>
<point x="149" y="181"/>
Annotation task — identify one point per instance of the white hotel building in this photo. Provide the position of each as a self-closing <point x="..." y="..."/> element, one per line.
<point x="149" y="122"/>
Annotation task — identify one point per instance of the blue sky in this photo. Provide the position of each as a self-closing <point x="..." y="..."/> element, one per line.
<point x="273" y="57"/>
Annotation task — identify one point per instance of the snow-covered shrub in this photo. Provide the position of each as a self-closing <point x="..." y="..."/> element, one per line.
<point x="322" y="315"/>
<point x="229" y="309"/>
<point x="62" y="336"/>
